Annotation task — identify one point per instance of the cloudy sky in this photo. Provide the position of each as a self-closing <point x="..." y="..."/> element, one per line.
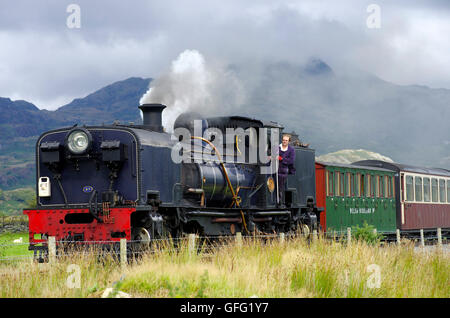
<point x="47" y="61"/>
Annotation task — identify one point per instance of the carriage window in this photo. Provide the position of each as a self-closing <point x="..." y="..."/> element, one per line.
<point x="448" y="190"/>
<point x="376" y="189"/>
<point x="418" y="188"/>
<point x="347" y="188"/>
<point x="392" y="183"/>
<point x="380" y="186"/>
<point x="363" y="185"/>
<point x="371" y="182"/>
<point x="329" y="182"/>
<point x="352" y="184"/>
<point x="426" y="190"/>
<point x="388" y="186"/>
<point x="409" y="188"/>
<point x="336" y="183"/>
<point x="368" y="185"/>
<point x="342" y="184"/>
<point x="387" y="189"/>
<point x="434" y="190"/>
<point x="375" y="186"/>
<point x="358" y="184"/>
<point x="442" y="190"/>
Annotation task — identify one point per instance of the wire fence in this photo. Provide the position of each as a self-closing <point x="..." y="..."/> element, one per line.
<point x="125" y="249"/>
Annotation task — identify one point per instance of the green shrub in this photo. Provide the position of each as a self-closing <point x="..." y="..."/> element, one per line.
<point x="367" y="234"/>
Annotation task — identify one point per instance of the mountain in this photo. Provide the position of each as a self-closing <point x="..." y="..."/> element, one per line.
<point x="334" y="111"/>
<point x="118" y="101"/>
<point x="21" y="118"/>
<point x="22" y="122"/>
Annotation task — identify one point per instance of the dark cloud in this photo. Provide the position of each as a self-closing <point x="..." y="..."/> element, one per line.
<point x="45" y="62"/>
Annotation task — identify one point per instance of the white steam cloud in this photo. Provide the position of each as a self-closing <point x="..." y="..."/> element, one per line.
<point x="194" y="85"/>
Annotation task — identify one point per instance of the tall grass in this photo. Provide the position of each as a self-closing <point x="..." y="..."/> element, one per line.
<point x="295" y="268"/>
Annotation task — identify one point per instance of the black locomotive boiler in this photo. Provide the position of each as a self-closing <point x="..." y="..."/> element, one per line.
<point x="104" y="183"/>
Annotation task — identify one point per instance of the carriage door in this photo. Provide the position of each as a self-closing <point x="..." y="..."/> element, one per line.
<point x="402" y="197"/>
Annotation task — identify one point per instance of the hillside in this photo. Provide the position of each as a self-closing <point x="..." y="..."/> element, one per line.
<point x="118" y="101"/>
<point x="12" y="202"/>
<point x="348" y="156"/>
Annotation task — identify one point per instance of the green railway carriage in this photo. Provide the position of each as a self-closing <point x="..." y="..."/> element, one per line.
<point x="353" y="195"/>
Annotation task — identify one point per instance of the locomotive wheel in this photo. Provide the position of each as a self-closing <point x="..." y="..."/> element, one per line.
<point x="140" y="239"/>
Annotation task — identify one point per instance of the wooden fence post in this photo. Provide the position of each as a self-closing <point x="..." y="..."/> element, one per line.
<point x="51" y="250"/>
<point x="239" y="239"/>
<point x="349" y="235"/>
<point x="315" y="235"/>
<point x="439" y="236"/>
<point x="398" y="236"/>
<point x="422" y="238"/>
<point x="123" y="252"/>
<point x="281" y="238"/>
<point x="192" y="243"/>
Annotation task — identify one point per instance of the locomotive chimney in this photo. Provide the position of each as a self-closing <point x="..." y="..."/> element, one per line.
<point x="152" y="116"/>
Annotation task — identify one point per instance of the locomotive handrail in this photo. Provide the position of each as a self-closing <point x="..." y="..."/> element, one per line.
<point x="236" y="199"/>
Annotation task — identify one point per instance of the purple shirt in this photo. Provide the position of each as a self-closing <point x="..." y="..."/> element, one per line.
<point x="288" y="161"/>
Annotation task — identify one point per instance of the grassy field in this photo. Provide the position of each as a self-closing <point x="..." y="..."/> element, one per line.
<point x="9" y="249"/>
<point x="271" y="269"/>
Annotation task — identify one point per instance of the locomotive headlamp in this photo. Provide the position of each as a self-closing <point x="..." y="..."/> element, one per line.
<point x="78" y="141"/>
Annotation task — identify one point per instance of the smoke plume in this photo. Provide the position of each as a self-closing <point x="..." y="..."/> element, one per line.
<point x="192" y="84"/>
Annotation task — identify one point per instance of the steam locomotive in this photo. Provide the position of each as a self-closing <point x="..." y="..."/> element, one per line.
<point x="212" y="176"/>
